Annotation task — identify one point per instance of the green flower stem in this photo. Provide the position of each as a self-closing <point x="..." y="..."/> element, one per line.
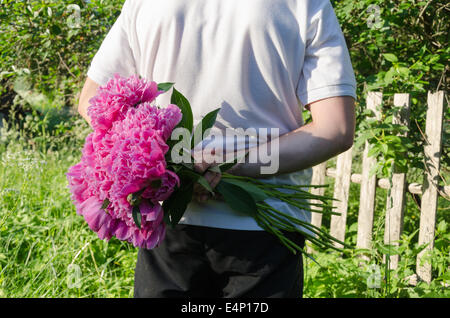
<point x="304" y="206"/>
<point x="281" y="186"/>
<point x="288" y="243"/>
<point x="276" y="221"/>
<point x="300" y="196"/>
<point x="292" y="228"/>
<point x="318" y="231"/>
<point x="232" y="176"/>
<point x="277" y="232"/>
<point x="269" y="217"/>
<point x="307" y="206"/>
<point x="314" y="240"/>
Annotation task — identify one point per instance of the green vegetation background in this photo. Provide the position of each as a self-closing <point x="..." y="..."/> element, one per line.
<point x="47" y="250"/>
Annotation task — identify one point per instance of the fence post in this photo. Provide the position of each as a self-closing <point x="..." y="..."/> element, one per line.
<point x="341" y="192"/>
<point x="432" y="153"/>
<point x="395" y="205"/>
<point x="318" y="178"/>
<point x="368" y="184"/>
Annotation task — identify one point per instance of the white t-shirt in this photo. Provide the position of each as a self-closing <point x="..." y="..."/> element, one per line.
<point x="260" y="61"/>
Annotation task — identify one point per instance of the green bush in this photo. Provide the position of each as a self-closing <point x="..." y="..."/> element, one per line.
<point x="51" y="43"/>
<point x="398" y="47"/>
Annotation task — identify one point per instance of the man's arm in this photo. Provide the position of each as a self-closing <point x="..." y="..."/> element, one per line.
<point x="330" y="133"/>
<point x="89" y="90"/>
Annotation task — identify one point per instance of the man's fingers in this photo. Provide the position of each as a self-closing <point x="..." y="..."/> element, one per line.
<point x="213" y="178"/>
<point x="202" y="197"/>
<point x="198" y="188"/>
<point x="200" y="167"/>
<point x="200" y="193"/>
<point x="216" y="179"/>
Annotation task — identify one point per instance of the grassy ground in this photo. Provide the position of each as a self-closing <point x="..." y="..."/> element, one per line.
<point x="47" y="250"/>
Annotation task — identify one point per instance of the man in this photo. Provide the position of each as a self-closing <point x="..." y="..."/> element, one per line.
<point x="261" y="62"/>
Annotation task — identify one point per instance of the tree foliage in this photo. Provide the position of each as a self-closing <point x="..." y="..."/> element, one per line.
<point x="395" y="46"/>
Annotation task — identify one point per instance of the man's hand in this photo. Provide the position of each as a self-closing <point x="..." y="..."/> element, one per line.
<point x="213" y="178"/>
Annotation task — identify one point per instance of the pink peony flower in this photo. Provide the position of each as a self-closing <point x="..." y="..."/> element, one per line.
<point x="115" y="98"/>
<point x="164" y="186"/>
<point x="125" y="154"/>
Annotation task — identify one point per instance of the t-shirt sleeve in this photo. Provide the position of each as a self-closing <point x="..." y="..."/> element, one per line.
<point x="115" y="54"/>
<point x="327" y="69"/>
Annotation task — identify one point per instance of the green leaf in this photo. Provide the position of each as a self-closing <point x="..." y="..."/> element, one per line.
<point x="55" y="30"/>
<point x="188" y="118"/>
<point x="105" y="204"/>
<point x="228" y="165"/>
<point x="256" y="193"/>
<point x="165" y="86"/>
<point x="137" y="216"/>
<point x="374" y="150"/>
<point x="374" y="170"/>
<point x="384" y="148"/>
<point x="135" y="198"/>
<point x="188" y="173"/>
<point x="177" y="203"/>
<point x="403" y="71"/>
<point x="202" y="181"/>
<point x="362" y="138"/>
<point x="196" y="177"/>
<point x="389" y="76"/>
<point x="388" y="249"/>
<point x="206" y="123"/>
<point x="442" y="226"/>
<point x="237" y="198"/>
<point x="174" y="168"/>
<point x="390" y="57"/>
<point x="215" y="169"/>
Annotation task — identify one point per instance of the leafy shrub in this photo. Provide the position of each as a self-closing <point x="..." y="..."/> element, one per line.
<point x="53" y="41"/>
<point x="398" y="47"/>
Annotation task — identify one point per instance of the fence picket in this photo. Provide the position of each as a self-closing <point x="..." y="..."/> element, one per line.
<point x="432" y="152"/>
<point x="395" y="205"/>
<point x="341" y="191"/>
<point x="318" y="178"/>
<point x="368" y="184"/>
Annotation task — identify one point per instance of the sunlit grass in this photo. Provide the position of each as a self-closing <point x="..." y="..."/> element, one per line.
<point x="46" y="249"/>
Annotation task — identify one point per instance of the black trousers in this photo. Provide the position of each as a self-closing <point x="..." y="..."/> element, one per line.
<point x="196" y="261"/>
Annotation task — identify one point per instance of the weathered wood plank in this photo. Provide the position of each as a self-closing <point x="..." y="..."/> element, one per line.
<point x="341" y="191"/>
<point x="395" y="205"/>
<point x="368" y="184"/>
<point x="432" y="153"/>
<point x="318" y="178"/>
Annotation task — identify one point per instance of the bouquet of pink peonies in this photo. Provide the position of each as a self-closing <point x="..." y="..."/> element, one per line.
<point x="126" y="171"/>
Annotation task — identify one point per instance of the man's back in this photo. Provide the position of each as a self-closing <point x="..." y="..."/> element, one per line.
<point x="260" y="61"/>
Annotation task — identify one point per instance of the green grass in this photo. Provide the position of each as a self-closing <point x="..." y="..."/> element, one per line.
<point x="348" y="276"/>
<point x="47" y="250"/>
<point x="41" y="235"/>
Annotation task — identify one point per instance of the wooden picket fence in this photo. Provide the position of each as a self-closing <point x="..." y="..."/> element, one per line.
<point x="429" y="190"/>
